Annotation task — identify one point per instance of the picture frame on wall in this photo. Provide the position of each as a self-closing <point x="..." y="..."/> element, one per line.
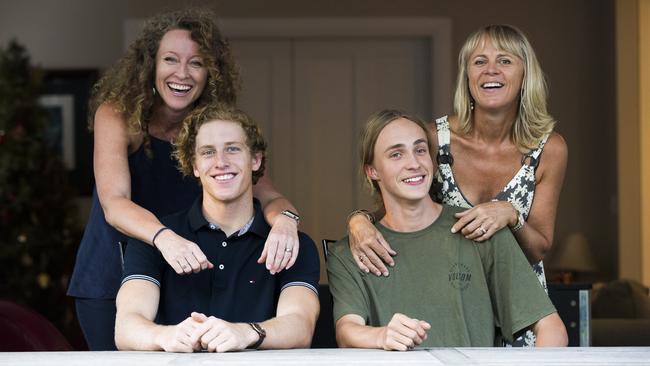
<point x="65" y="96"/>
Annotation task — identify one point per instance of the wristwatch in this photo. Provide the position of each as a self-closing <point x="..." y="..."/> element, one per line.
<point x="291" y="215"/>
<point x="260" y="332"/>
<point x="520" y="222"/>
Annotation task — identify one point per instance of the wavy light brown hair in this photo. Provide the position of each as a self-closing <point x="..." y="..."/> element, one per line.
<point x="533" y="120"/>
<point x="371" y="130"/>
<point x="128" y="85"/>
<point x="185" y="144"/>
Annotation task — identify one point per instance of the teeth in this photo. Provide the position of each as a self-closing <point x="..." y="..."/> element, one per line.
<point x="414" y="179"/>
<point x="224" y="177"/>
<point x="492" y="85"/>
<point x="179" y="87"/>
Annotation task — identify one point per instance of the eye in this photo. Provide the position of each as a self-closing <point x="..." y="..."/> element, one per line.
<point x="207" y="153"/>
<point x="233" y="149"/>
<point x="170" y="59"/>
<point x="421" y="150"/>
<point x="395" y="155"/>
<point x="479" y="61"/>
<point x="505" y="61"/>
<point x="196" y="63"/>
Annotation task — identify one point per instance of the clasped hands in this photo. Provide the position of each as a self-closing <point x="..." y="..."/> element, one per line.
<point x="403" y="333"/>
<point x="200" y="332"/>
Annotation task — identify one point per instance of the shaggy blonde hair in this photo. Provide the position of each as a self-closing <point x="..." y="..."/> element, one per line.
<point x="185" y="144"/>
<point x="533" y="120"/>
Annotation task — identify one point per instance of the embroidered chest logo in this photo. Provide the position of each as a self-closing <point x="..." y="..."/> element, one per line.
<point x="459" y="276"/>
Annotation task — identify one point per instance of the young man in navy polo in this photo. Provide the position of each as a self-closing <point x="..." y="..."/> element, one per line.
<point x="237" y="304"/>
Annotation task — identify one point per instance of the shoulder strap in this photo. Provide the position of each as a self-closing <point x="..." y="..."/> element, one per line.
<point x="444" y="140"/>
<point x="533" y="155"/>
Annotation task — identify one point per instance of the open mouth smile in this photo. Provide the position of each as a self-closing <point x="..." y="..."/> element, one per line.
<point x="492" y="85"/>
<point x="179" y="88"/>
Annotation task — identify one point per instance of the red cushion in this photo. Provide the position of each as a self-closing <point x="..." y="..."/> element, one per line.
<point x="22" y="329"/>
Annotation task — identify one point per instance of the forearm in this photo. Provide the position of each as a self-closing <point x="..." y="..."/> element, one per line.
<point x="133" y="332"/>
<point x="350" y="335"/>
<point x="534" y="245"/>
<point x="271" y="200"/>
<point x="131" y="219"/>
<point x="288" y="331"/>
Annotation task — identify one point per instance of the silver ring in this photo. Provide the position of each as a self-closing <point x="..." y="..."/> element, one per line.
<point x="288" y="250"/>
<point x="483" y="231"/>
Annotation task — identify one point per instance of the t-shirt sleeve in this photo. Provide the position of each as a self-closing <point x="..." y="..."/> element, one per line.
<point x="306" y="271"/>
<point x="518" y="299"/>
<point x="344" y="281"/>
<point x="143" y="262"/>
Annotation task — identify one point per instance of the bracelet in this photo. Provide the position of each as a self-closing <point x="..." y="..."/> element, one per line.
<point x="153" y="241"/>
<point x="365" y="213"/>
<point x="520" y="222"/>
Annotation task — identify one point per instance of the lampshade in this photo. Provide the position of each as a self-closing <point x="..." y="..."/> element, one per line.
<point x="574" y="255"/>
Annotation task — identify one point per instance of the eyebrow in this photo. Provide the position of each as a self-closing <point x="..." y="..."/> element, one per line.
<point x="396" y="146"/>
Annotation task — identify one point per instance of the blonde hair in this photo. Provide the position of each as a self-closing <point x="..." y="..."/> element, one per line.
<point x="533" y="120"/>
<point x="371" y="130"/>
<point x="185" y="144"/>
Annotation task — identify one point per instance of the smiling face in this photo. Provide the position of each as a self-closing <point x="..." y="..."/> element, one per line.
<point x="495" y="78"/>
<point x="401" y="166"/>
<point x="180" y="72"/>
<point x="223" y="161"/>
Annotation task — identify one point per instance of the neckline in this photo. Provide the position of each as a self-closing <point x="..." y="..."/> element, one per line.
<point x="443" y="212"/>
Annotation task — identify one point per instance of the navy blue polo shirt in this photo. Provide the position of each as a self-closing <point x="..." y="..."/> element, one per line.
<point x="237" y="289"/>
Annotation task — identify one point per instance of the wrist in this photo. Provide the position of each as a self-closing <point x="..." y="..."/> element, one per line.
<point x="360" y="215"/>
<point x="291" y="215"/>
<point x="256" y="335"/>
<point x="518" y="221"/>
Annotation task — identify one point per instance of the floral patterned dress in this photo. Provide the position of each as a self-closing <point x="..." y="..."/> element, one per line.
<point x="519" y="192"/>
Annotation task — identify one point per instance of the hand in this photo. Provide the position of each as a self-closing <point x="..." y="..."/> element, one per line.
<point x="368" y="246"/>
<point x="403" y="333"/>
<point x="182" y="255"/>
<point x="182" y="337"/>
<point x="217" y="335"/>
<point x="480" y="222"/>
<point x="282" y="245"/>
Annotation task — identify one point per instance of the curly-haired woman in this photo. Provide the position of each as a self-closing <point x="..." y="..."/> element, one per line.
<point x="179" y="62"/>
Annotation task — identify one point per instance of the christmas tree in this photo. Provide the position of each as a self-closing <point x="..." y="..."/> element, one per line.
<point x="38" y="216"/>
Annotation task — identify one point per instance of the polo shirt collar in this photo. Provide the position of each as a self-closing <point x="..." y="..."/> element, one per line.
<point x="257" y="225"/>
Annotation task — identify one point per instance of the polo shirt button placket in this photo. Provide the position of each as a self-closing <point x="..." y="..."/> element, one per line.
<point x="224" y="244"/>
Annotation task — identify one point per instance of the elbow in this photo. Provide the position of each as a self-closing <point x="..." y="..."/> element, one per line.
<point x="536" y="255"/>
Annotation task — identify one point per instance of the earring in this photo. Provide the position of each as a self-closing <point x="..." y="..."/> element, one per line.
<point x="154" y="91"/>
<point x="471" y="105"/>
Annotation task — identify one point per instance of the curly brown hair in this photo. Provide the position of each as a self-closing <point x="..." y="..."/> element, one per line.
<point x="185" y="143"/>
<point x="128" y="85"/>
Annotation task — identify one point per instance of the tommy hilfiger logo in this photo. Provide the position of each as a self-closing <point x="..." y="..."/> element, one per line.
<point x="459" y="276"/>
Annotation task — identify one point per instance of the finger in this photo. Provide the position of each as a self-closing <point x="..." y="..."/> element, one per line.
<point x="272" y="247"/>
<point x="360" y="261"/>
<point x="462" y="222"/>
<point x="262" y="257"/>
<point x="381" y="251"/>
<point x="286" y="258"/>
<point x="194" y="264"/>
<point x="294" y="254"/>
<point x="463" y="213"/>
<point x="375" y="264"/>
<point x="384" y="243"/>
<point x="403" y="341"/>
<point x="393" y="345"/>
<point x="198" y="317"/>
<point x="177" y="267"/>
<point x="425" y="325"/>
<point x="279" y="255"/>
<point x="204" y="263"/>
<point x="471" y="226"/>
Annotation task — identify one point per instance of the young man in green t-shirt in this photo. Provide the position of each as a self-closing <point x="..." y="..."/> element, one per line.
<point x="444" y="290"/>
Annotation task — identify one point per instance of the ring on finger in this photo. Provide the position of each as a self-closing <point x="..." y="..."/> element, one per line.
<point x="362" y="257"/>
<point x="482" y="229"/>
<point x="289" y="250"/>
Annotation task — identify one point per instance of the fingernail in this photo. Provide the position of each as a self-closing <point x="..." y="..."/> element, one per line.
<point x="377" y="273"/>
<point x="386" y="274"/>
<point x="453" y="230"/>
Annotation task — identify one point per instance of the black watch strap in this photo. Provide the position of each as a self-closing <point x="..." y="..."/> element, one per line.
<point x="260" y="332"/>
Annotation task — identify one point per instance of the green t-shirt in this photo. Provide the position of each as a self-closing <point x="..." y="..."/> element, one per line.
<point x="462" y="288"/>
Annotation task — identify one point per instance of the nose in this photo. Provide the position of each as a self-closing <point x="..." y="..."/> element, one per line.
<point x="492" y="67"/>
<point x="221" y="160"/>
<point x="413" y="162"/>
<point x="181" y="70"/>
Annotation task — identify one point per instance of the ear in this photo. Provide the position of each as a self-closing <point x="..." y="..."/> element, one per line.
<point x="196" y="171"/>
<point x="256" y="160"/>
<point x="371" y="172"/>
